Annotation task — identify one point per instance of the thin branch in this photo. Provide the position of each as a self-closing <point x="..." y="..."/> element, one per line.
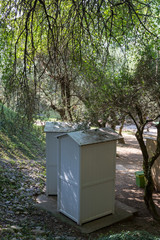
<point x="137" y="15"/>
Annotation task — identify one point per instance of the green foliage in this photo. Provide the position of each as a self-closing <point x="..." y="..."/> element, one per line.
<point x="115" y="89"/>
<point x="137" y="235"/>
<point x="18" y="139"/>
<point x="6" y="181"/>
<point x="46" y="38"/>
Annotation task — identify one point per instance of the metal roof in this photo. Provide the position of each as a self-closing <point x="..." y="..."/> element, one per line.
<point x="59" y="127"/>
<point x="93" y="136"/>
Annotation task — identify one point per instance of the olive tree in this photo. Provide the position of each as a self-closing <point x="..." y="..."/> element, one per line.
<point x="138" y="96"/>
<point x="61" y="32"/>
<point x="130" y="90"/>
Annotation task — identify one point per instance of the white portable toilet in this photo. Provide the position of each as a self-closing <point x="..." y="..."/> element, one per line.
<point x="86" y="174"/>
<point x="53" y="129"/>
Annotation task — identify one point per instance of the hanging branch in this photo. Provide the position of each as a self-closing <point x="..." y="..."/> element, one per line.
<point x="68" y="29"/>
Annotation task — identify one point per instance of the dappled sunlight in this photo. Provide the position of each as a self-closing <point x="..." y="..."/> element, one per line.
<point x="136" y="199"/>
<point x="128" y="169"/>
<point x="127" y="151"/>
<point x="156" y="197"/>
<point x="129" y="160"/>
<point x="135" y="191"/>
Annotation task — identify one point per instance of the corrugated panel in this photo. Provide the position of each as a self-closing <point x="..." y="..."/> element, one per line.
<point x="94" y="136"/>
<point x="68" y="199"/>
<point x="97" y="180"/>
<point x="51" y="163"/>
<point x="68" y="178"/>
<point x="97" y="201"/>
<point x="51" y="180"/>
<point x="53" y="129"/>
<point x="98" y="162"/>
<point x="61" y="127"/>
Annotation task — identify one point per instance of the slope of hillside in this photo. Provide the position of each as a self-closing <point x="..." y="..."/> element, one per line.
<point x="17" y="139"/>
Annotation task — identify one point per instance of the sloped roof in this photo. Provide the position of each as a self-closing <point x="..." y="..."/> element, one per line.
<point x="93" y="136"/>
<point x="59" y="127"/>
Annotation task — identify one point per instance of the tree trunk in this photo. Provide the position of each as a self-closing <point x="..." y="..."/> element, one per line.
<point x="148" y="178"/>
<point x="68" y="99"/>
<point x="148" y="197"/>
<point x="120" y="132"/>
<point x="60" y="111"/>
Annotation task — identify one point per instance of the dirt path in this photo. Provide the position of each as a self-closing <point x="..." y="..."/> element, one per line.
<point x="129" y="160"/>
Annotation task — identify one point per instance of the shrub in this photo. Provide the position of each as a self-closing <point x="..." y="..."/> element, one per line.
<point x="136" y="235"/>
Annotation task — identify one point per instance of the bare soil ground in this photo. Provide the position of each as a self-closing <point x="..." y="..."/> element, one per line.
<point x="16" y="202"/>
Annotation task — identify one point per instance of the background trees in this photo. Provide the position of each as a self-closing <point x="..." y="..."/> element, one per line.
<point x="138" y="96"/>
<point x="94" y="60"/>
<point x="54" y="37"/>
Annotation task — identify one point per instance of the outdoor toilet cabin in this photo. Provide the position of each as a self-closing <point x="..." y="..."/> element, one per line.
<point x="53" y="129"/>
<point x="86" y="174"/>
